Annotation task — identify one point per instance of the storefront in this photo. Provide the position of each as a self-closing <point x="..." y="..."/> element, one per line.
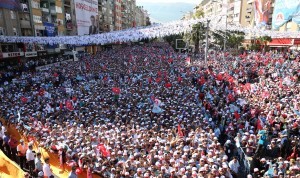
<point x="10" y="58"/>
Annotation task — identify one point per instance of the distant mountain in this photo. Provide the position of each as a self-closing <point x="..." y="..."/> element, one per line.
<point x="166" y="12"/>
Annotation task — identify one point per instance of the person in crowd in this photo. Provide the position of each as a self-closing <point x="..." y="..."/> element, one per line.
<point x="22" y="149"/>
<point x="30" y="157"/>
<point x="73" y="173"/>
<point x="47" y="170"/>
<point x="38" y="165"/>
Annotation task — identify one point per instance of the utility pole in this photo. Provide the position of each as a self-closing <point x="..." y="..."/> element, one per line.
<point x="206" y="43"/>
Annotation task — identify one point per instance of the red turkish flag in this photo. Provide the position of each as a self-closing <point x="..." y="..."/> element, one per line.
<point x="219" y="77"/>
<point x="179" y="79"/>
<point x="168" y="85"/>
<point x="24" y="99"/>
<point x="69" y="105"/>
<point x="103" y="150"/>
<point x="247" y="86"/>
<point x="230" y="97"/>
<point x="41" y="92"/>
<point x="179" y="131"/>
<point x="116" y="91"/>
<point x="61" y="105"/>
<point x="259" y="125"/>
<point x="237" y="115"/>
<point x="157" y="80"/>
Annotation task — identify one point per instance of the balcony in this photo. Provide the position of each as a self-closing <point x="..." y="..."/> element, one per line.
<point x="53" y="11"/>
<point x="25" y="24"/>
<point x="45" y="10"/>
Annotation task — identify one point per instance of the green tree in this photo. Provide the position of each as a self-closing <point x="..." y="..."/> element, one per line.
<point x="197" y="33"/>
<point x="171" y="39"/>
<point x="234" y="39"/>
<point x="264" y="40"/>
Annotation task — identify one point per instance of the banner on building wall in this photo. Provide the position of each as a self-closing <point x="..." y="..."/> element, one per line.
<point x="262" y="12"/>
<point x="10" y="4"/>
<point x="86" y="16"/>
<point x="50" y="32"/>
<point x="284" y="11"/>
<point x="49" y="28"/>
<point x="296" y="17"/>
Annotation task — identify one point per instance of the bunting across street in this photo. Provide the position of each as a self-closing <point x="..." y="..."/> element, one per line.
<point x="149" y="32"/>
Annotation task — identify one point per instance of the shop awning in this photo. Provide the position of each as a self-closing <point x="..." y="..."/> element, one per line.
<point x="282" y="42"/>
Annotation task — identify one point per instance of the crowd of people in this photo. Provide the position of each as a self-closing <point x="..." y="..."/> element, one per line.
<point x="11" y="70"/>
<point x="147" y="111"/>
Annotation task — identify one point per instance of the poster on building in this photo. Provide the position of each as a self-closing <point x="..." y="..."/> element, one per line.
<point x="262" y="12"/>
<point x="86" y="16"/>
<point x="296" y="16"/>
<point x="49" y="28"/>
<point x="284" y="11"/>
<point x="50" y="31"/>
<point x="10" y="4"/>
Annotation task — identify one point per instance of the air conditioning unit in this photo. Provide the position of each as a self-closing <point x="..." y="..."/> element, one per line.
<point x="24" y="8"/>
<point x="2" y="31"/>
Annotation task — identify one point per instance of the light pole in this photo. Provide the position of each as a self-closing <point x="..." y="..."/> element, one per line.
<point x="224" y="50"/>
<point x="206" y="42"/>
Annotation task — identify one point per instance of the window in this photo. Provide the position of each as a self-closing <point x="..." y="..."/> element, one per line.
<point x="12" y="14"/>
<point x="35" y="4"/>
<point x="37" y="19"/>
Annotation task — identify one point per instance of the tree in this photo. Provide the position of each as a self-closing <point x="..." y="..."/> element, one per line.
<point x="264" y="40"/>
<point x="171" y="39"/>
<point x="197" y="33"/>
<point x="234" y="39"/>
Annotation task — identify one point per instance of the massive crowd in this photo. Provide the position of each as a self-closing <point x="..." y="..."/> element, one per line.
<point x="146" y="111"/>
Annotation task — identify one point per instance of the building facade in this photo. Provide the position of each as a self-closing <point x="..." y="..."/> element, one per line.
<point x="58" y="18"/>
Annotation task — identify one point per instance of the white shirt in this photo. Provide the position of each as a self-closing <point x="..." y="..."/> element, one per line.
<point x="234" y="166"/>
<point x="29" y="155"/>
<point x="46" y="170"/>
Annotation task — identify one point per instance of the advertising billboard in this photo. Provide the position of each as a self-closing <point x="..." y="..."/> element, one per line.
<point x="284" y="11"/>
<point x="86" y="16"/>
<point x="262" y="12"/>
<point x="10" y="4"/>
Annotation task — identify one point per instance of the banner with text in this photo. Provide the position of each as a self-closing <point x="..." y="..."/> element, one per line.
<point x="284" y="11"/>
<point x="86" y="16"/>
<point x="50" y="31"/>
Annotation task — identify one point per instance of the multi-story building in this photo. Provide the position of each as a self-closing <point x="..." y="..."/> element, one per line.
<point x="58" y="17"/>
<point x="139" y="16"/>
<point x="128" y="13"/>
<point x="117" y="11"/>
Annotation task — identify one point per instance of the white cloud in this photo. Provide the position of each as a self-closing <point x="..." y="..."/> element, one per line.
<point x="169" y="1"/>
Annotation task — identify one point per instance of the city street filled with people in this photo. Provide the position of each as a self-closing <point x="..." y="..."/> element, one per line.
<point x="146" y="111"/>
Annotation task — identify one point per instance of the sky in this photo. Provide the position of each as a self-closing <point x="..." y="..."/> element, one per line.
<point x="162" y="11"/>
